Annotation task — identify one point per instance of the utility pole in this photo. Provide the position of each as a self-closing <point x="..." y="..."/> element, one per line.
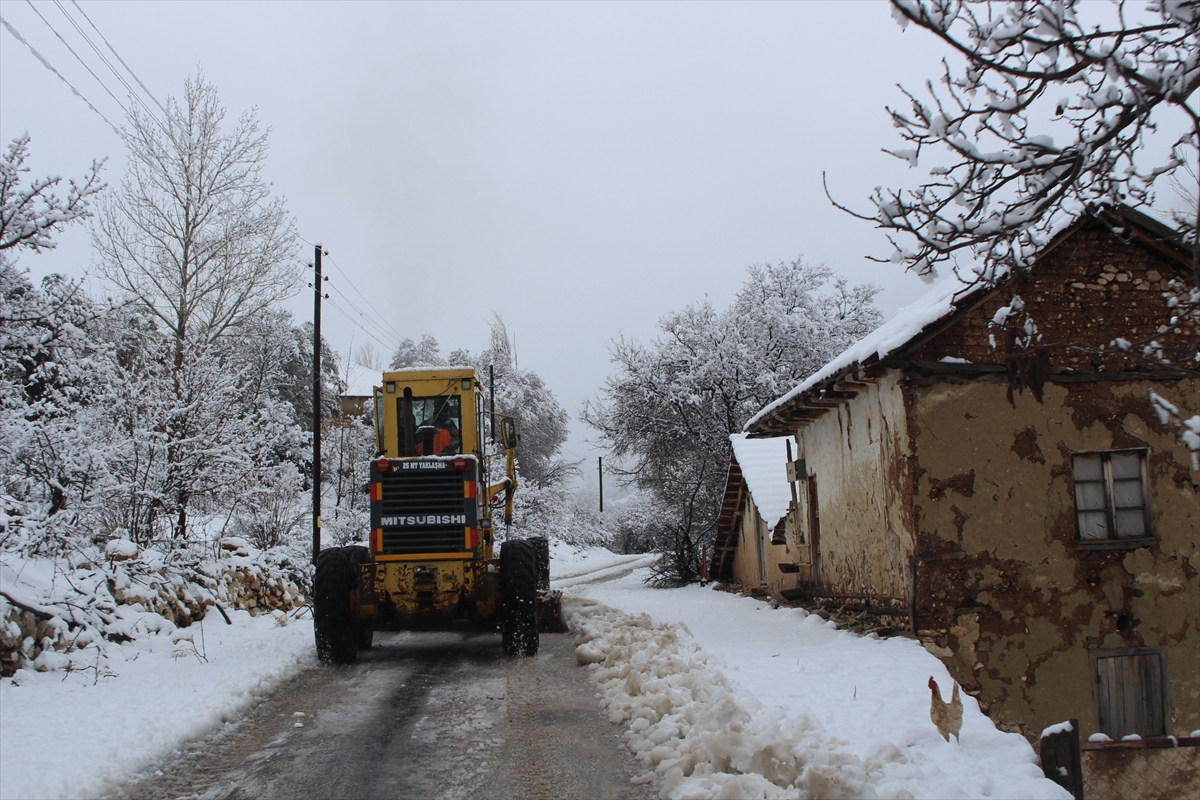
<point x="318" y="286"/>
<point x="600" y="472"/>
<point x="492" y="398"/>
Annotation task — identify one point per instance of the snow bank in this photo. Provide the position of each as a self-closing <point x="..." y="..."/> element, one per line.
<point x="724" y="696"/>
<point x="64" y="613"/>
<point x="116" y="657"/>
<point x="76" y="735"/>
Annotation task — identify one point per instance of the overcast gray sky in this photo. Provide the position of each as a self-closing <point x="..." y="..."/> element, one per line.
<point x="579" y="169"/>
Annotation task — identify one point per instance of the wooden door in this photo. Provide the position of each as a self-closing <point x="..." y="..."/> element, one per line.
<point x="1131" y="691"/>
<point x="814" y="531"/>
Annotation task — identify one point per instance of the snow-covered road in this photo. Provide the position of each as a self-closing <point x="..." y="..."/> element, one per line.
<point x="715" y="695"/>
<point x="421" y="715"/>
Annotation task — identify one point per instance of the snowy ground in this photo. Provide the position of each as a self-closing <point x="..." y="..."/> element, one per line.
<point x="70" y="735"/>
<point x="724" y="696"/>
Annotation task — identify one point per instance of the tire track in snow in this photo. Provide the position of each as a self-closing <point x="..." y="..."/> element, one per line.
<point x="608" y="571"/>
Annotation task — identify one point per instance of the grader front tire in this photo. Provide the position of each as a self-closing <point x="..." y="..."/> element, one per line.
<point x="518" y="597"/>
<point x="334" y="623"/>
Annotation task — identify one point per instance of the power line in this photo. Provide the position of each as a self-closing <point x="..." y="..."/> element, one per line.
<point x="384" y="328"/>
<point x="365" y="319"/>
<point x="104" y="59"/>
<point x="378" y="323"/>
<point x="70" y="49"/>
<point x="118" y="55"/>
<point x="364" y="297"/>
<point x="355" y="323"/>
<point x="50" y="67"/>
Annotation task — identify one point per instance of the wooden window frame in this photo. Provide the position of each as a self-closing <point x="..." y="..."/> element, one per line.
<point x="761" y="537"/>
<point x="1112" y="542"/>
<point x="814" y="528"/>
<point x="1094" y="657"/>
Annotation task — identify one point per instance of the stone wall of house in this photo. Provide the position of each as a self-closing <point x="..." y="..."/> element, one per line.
<point x="1081" y="296"/>
<point x="1005" y="595"/>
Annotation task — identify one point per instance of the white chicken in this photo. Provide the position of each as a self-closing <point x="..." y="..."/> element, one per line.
<point x="947" y="717"/>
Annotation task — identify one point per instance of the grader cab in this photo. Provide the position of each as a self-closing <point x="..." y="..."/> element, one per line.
<point x="431" y="562"/>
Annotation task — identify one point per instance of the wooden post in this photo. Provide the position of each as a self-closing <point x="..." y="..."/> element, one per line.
<point x="1060" y="756"/>
<point x="318" y="288"/>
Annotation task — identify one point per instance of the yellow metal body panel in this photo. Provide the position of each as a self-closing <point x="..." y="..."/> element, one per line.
<point x="419" y="557"/>
<point x="429" y="595"/>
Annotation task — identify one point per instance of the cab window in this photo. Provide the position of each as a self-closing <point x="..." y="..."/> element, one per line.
<point x="436" y="423"/>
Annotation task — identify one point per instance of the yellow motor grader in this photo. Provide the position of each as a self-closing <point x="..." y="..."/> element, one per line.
<point x="431" y="563"/>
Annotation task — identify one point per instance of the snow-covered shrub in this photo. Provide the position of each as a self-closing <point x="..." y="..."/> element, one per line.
<point x="632" y="521"/>
<point x="556" y="512"/>
<point x="345" y="525"/>
<point x="271" y="511"/>
<point x="347" y="448"/>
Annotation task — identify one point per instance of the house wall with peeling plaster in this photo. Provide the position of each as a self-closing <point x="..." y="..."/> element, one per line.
<point x="1010" y="600"/>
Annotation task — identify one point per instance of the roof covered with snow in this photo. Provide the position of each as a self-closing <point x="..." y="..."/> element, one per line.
<point x="764" y="468"/>
<point x="943" y="301"/>
<point x="909" y="322"/>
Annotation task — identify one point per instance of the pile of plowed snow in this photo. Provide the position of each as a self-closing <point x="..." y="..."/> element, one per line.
<point x="703" y="736"/>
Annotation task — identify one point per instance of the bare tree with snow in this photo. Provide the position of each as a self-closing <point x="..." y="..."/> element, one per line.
<point x="192" y="234"/>
<point x="194" y="239"/>
<point x="667" y="413"/>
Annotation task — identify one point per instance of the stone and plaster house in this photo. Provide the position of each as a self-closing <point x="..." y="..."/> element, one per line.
<point x="991" y="471"/>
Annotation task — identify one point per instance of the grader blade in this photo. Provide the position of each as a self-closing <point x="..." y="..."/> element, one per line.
<point x="549" y="612"/>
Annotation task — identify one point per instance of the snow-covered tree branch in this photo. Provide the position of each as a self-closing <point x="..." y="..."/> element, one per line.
<point x="1054" y="109"/>
<point x="29" y="215"/>
<point x="192" y="233"/>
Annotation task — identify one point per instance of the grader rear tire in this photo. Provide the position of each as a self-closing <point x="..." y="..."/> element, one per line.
<point x="334" y="623"/>
<point x="541" y="549"/>
<point x="518" y="597"/>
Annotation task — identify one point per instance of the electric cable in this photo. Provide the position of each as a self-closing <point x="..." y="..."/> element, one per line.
<point x="104" y="60"/>
<point x="354" y="322"/>
<point x="118" y="55"/>
<point x="50" y="67"/>
<point x="338" y="267"/>
<point x="71" y="50"/>
<point x="366" y="320"/>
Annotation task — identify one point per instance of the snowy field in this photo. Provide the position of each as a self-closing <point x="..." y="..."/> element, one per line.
<point x="724" y="696"/>
<point x="70" y="735"/>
